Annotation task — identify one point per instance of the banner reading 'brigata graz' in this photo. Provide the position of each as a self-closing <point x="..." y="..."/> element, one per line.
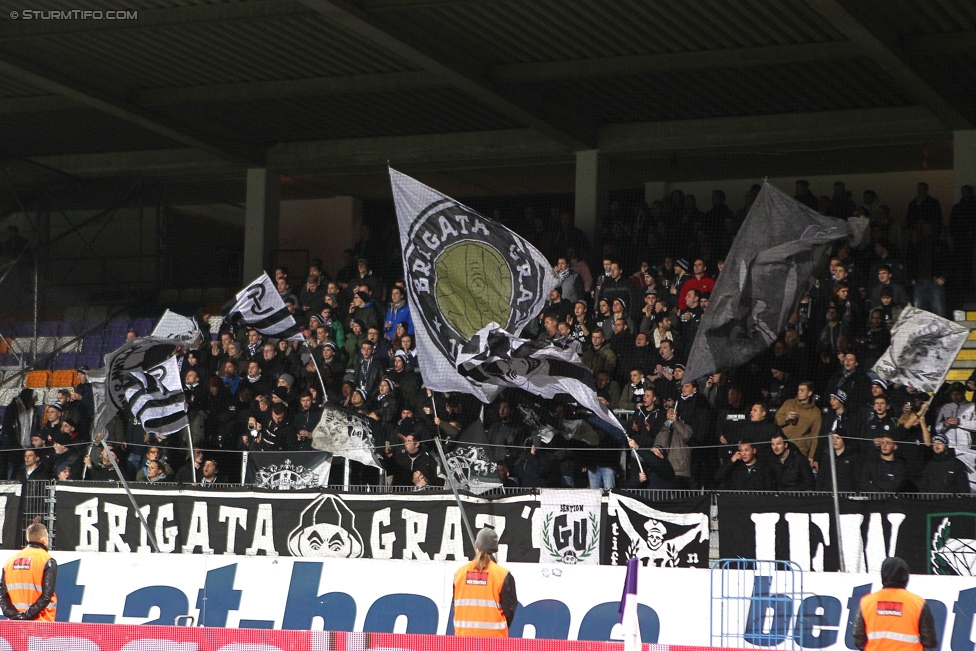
<point x="553" y="526"/>
<point x="296" y="523"/>
<point x="936" y="536"/>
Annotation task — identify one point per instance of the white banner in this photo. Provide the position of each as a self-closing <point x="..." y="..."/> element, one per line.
<point x="564" y="602"/>
<point x="923" y="348"/>
<point x="569" y="526"/>
<point x="181" y="328"/>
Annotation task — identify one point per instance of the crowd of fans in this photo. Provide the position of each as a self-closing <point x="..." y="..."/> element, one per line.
<point x="631" y="312"/>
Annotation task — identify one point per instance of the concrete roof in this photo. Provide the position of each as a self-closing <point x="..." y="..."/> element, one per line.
<point x="490" y="94"/>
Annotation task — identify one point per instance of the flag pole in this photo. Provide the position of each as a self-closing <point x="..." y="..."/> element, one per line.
<point x="450" y="476"/>
<point x="325" y="396"/>
<point x="833" y="477"/>
<point x="128" y="491"/>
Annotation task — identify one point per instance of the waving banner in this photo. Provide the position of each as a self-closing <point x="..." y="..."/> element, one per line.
<point x="923" y="348"/>
<point x="142" y="377"/>
<point x="463" y="271"/>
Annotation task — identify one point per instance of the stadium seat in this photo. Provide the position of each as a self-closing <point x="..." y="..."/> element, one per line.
<point x="68" y="328"/>
<point x="48" y="328"/>
<point x="143" y="326"/>
<point x="66" y="361"/>
<point x="111" y="343"/>
<point x="7" y="359"/>
<point x="91" y="360"/>
<point x="21" y="345"/>
<point x="4" y="346"/>
<point x="46" y="344"/>
<point x="64" y="378"/>
<point x="91" y="327"/>
<point x="8" y="394"/>
<point x="68" y="344"/>
<point x="92" y="344"/>
<point x="23" y="329"/>
<point x="116" y="328"/>
<point x="38" y="379"/>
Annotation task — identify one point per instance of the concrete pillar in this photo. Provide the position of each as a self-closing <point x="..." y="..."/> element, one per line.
<point x="261" y="214"/>
<point x="963" y="161"/>
<point x="592" y="192"/>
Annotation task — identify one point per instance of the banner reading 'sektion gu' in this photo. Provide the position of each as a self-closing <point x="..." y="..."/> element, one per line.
<point x="463" y="272"/>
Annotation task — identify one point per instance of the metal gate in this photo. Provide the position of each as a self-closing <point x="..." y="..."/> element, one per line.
<point x="756" y="603"/>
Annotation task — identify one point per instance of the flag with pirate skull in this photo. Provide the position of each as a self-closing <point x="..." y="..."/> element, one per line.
<point x="671" y="533"/>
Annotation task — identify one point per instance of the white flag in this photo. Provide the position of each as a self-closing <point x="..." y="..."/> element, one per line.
<point x="346" y="434"/>
<point x="496" y="360"/>
<point x="923" y="348"/>
<point x="181" y="328"/>
<point x="463" y="271"/>
<point x="142" y="377"/>
<point x="260" y="306"/>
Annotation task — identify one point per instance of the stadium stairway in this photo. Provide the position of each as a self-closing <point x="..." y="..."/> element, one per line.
<point x="965" y="362"/>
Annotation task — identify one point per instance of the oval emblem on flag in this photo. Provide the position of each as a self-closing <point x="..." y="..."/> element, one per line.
<point x="467" y="271"/>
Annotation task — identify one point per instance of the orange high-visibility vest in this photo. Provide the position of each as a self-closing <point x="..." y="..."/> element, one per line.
<point x="891" y="620"/>
<point x="24" y="576"/>
<point x="477" y="601"/>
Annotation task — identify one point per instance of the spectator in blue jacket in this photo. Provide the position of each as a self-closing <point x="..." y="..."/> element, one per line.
<point x="397" y="313"/>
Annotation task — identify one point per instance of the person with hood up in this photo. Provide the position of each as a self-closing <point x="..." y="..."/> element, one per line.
<point x="894" y="619"/>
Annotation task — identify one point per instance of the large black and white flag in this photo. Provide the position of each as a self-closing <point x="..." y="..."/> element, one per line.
<point x="463" y="271"/>
<point x="181" y="328"/>
<point x="288" y="471"/>
<point x="468" y="461"/>
<point x="923" y="348"/>
<point x="772" y="264"/>
<point x="496" y="360"/>
<point x="142" y="377"/>
<point x="260" y="306"/>
<point x="346" y="434"/>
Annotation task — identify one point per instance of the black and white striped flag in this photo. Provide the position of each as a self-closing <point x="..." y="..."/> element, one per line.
<point x="497" y="360"/>
<point x="142" y="377"/>
<point x="260" y="306"/>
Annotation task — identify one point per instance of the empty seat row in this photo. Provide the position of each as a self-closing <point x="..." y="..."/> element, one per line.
<point x="45" y="379"/>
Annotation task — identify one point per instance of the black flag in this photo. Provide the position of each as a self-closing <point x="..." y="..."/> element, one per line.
<point x="772" y="264"/>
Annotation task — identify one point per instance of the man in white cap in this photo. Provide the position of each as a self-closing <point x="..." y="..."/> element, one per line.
<point x="484" y="592"/>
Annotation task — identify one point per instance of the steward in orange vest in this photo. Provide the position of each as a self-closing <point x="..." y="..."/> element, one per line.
<point x="894" y="619"/>
<point x="28" y="580"/>
<point x="484" y="592"/>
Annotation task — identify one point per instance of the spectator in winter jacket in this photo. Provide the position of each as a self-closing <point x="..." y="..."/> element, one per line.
<point x="944" y="473"/>
<point x="849" y="466"/>
<point x="791" y="468"/>
<point x="886" y="473"/>
<point x="745" y="472"/>
<point x="397" y="313"/>
<point x="800" y="419"/>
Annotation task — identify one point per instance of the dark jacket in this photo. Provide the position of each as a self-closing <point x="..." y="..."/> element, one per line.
<point x="884" y="476"/>
<point x="401" y="466"/>
<point x="659" y="472"/>
<point x="850" y="465"/>
<point x="738" y="476"/>
<point x="945" y="473"/>
<point x="793" y="473"/>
